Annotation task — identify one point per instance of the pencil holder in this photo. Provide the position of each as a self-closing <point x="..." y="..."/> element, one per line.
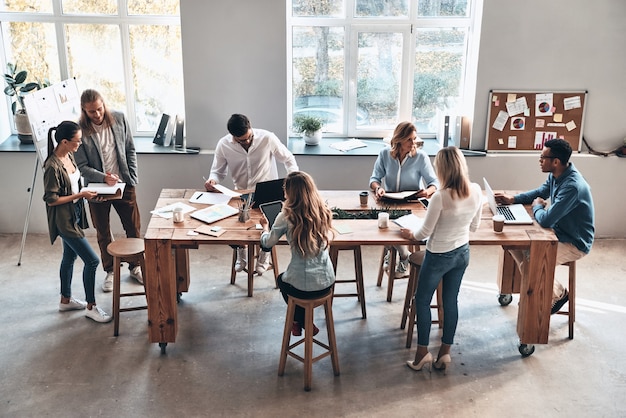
<point x="244" y="215"/>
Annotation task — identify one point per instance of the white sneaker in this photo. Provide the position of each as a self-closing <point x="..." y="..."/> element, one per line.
<point x="107" y="286"/>
<point x="72" y="305"/>
<point x="242" y="259"/>
<point x="97" y="314"/>
<point x="402" y="270"/>
<point x="135" y="273"/>
<point x="386" y="261"/>
<point x="263" y="262"/>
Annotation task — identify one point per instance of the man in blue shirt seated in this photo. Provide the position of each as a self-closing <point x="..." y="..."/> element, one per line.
<point x="570" y="212"/>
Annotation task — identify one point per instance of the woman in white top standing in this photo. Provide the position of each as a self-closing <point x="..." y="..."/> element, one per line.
<point x="453" y="212"/>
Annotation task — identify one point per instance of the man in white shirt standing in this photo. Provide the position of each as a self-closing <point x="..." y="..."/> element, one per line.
<point x="250" y="156"/>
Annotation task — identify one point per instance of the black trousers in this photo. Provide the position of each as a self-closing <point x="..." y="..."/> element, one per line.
<point x="288" y="290"/>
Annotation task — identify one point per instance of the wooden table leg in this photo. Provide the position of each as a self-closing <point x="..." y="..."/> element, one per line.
<point x="533" y="318"/>
<point x="161" y="291"/>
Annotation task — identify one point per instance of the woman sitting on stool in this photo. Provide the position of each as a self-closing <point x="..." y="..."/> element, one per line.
<point x="306" y="221"/>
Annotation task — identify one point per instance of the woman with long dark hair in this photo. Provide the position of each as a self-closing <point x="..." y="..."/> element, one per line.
<point x="66" y="217"/>
<point x="306" y="221"/>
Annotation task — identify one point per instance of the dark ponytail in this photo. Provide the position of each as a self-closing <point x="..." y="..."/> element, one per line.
<point x="66" y="130"/>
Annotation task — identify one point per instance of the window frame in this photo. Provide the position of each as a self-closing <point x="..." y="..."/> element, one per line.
<point x="122" y="20"/>
<point x="405" y="25"/>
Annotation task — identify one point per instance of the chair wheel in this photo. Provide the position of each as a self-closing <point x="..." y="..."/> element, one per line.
<point x="526" y="349"/>
<point x="505" y="298"/>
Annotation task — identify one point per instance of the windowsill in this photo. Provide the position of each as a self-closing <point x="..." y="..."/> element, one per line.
<point x="143" y="145"/>
<point x="298" y="147"/>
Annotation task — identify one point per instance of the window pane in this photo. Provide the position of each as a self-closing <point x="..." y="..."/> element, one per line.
<point x="439" y="63"/>
<point x="104" y="7"/>
<point x="32" y="6"/>
<point x="378" y="77"/>
<point x="32" y="46"/>
<point x="157" y="72"/>
<point x="442" y="8"/>
<point x="377" y="8"/>
<point x="318" y="74"/>
<point x="150" y="7"/>
<point x="316" y="8"/>
<point x="95" y="60"/>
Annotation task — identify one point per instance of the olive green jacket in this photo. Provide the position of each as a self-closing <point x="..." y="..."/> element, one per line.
<point x="62" y="218"/>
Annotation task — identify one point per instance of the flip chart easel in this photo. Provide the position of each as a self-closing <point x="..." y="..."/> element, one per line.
<point x="47" y="108"/>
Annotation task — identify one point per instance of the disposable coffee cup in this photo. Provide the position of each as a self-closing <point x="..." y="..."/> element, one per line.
<point x="383" y="220"/>
<point x="498" y="223"/>
<point x="363" y="197"/>
<point x="179" y="216"/>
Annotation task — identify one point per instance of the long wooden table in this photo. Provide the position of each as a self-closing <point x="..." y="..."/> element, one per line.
<point x="167" y="247"/>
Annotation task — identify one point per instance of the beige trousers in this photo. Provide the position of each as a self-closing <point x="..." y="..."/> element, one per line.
<point x="564" y="254"/>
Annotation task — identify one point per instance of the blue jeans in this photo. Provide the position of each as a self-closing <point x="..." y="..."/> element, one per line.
<point x="450" y="268"/>
<point x="78" y="247"/>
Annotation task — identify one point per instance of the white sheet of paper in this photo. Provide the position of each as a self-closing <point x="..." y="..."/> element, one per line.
<point x="227" y="191"/>
<point x="410" y="221"/>
<point x="167" y="212"/>
<point x="500" y="121"/>
<point x="210" y="198"/>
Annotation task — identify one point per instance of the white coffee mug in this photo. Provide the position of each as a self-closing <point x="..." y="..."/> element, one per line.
<point x="179" y="216"/>
<point x="383" y="220"/>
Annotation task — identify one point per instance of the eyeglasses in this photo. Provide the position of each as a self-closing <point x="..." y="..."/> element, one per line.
<point x="546" y="157"/>
<point x="240" y="139"/>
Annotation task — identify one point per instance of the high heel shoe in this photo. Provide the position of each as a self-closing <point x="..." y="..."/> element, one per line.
<point x="425" y="362"/>
<point x="443" y="363"/>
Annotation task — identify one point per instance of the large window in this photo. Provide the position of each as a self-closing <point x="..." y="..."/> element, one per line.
<point x="129" y="50"/>
<point x="362" y="66"/>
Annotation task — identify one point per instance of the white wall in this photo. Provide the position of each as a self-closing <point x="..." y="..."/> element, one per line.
<point x="234" y="61"/>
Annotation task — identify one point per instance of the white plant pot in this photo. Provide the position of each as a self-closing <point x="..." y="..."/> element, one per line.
<point x="312" y="139"/>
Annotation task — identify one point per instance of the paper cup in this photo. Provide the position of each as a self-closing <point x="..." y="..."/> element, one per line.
<point x="498" y="223"/>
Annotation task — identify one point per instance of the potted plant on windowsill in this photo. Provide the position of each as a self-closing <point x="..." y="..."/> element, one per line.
<point x="16" y="88"/>
<point x="310" y="127"/>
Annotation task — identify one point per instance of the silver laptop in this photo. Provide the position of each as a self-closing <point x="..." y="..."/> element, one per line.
<point x="513" y="214"/>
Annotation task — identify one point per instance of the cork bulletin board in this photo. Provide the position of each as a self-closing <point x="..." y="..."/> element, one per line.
<point x="524" y="120"/>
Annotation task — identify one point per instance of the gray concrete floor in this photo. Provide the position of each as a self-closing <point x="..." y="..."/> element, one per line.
<point x="225" y="359"/>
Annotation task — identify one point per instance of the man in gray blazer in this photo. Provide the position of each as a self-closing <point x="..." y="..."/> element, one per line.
<point x="108" y="155"/>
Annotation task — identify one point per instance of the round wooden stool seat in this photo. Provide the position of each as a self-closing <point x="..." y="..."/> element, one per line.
<point x="126" y="247"/>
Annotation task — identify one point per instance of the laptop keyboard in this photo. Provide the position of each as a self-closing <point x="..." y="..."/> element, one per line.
<point x="508" y="215"/>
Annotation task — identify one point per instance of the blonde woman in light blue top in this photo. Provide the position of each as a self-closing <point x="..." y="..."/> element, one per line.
<point x="403" y="167"/>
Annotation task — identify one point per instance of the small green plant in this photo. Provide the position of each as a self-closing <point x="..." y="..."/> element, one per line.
<point x="306" y="124"/>
<point x="17" y="87"/>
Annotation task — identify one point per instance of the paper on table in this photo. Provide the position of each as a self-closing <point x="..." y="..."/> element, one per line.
<point x="227" y="191"/>
<point x="348" y="145"/>
<point x="410" y="221"/>
<point x="167" y="212"/>
<point x="209" y="198"/>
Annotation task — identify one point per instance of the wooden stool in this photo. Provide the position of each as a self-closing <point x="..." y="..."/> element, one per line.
<point x="129" y="250"/>
<point x="392" y="269"/>
<point x="358" y="274"/>
<point x="415" y="260"/>
<point x="257" y="249"/>
<point x="331" y="349"/>
<point x="571" y="303"/>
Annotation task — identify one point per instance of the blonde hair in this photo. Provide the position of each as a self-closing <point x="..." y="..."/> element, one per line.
<point x="305" y="209"/>
<point x="402" y="133"/>
<point x="452" y="171"/>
